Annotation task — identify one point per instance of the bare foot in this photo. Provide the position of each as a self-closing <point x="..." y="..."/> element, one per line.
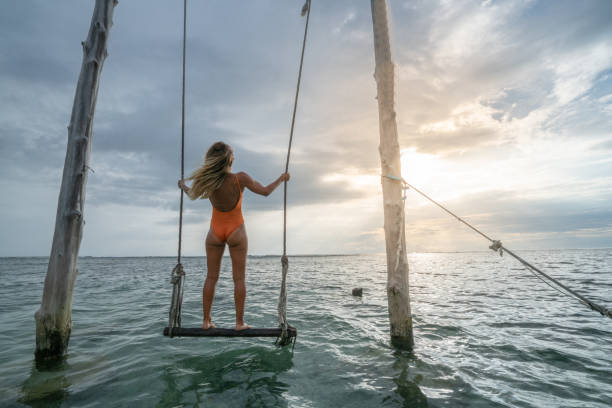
<point x="208" y="325"/>
<point x="242" y="326"/>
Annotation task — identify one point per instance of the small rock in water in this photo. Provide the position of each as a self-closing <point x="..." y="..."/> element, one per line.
<point x="357" y="292"/>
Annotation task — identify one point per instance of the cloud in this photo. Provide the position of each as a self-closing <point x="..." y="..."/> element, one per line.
<point x="496" y="55"/>
<point x="605" y="145"/>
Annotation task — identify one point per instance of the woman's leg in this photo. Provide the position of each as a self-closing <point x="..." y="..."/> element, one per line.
<point x="238" y="245"/>
<point x="214" y="253"/>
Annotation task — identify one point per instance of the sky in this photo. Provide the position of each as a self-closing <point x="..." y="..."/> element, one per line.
<point x="503" y="107"/>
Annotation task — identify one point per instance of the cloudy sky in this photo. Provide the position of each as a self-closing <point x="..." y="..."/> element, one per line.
<point x="504" y="114"/>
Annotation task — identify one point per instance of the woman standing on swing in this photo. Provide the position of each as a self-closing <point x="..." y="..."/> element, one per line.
<point x="215" y="181"/>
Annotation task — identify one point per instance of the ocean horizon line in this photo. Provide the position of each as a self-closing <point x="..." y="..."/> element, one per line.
<point x="312" y="255"/>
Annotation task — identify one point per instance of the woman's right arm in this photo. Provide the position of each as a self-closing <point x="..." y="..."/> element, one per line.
<point x="183" y="186"/>
<point x="257" y="187"/>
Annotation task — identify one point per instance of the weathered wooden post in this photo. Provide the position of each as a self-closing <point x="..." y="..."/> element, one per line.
<point x="400" y="316"/>
<point x="53" y="319"/>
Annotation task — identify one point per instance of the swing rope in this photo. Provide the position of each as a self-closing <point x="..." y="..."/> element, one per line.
<point x="282" y="300"/>
<point x="177" y="277"/>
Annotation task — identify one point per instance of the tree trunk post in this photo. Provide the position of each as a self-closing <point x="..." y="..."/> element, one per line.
<point x="53" y="319"/>
<point x="400" y="316"/>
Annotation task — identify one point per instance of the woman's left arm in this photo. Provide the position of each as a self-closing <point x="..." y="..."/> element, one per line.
<point x="256" y="186"/>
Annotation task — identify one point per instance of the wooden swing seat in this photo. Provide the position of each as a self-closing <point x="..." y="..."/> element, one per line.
<point x="224" y="332"/>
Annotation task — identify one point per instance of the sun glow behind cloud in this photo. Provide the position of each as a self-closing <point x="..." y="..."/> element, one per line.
<point x="422" y="169"/>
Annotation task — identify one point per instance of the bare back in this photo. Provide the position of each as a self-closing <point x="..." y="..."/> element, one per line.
<point x="226" y="197"/>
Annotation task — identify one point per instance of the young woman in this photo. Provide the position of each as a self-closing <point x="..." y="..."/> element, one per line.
<point x="215" y="181"/>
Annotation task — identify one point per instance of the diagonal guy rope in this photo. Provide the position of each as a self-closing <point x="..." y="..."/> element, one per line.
<point x="282" y="300"/>
<point x="497" y="246"/>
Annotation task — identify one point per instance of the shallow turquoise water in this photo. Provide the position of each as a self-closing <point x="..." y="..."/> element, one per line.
<point x="487" y="333"/>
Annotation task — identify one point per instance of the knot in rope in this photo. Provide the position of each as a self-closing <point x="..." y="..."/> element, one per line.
<point x="177" y="273"/>
<point x="177" y="278"/>
<point x="405" y="185"/>
<point x="305" y="8"/>
<point x="497" y="246"/>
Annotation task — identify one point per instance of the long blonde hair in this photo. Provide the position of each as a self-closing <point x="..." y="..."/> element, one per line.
<point x="211" y="175"/>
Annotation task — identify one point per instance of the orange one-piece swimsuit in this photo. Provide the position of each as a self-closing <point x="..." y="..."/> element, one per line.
<point x="223" y="223"/>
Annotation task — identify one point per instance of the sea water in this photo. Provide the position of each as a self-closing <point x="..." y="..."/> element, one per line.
<point x="487" y="334"/>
